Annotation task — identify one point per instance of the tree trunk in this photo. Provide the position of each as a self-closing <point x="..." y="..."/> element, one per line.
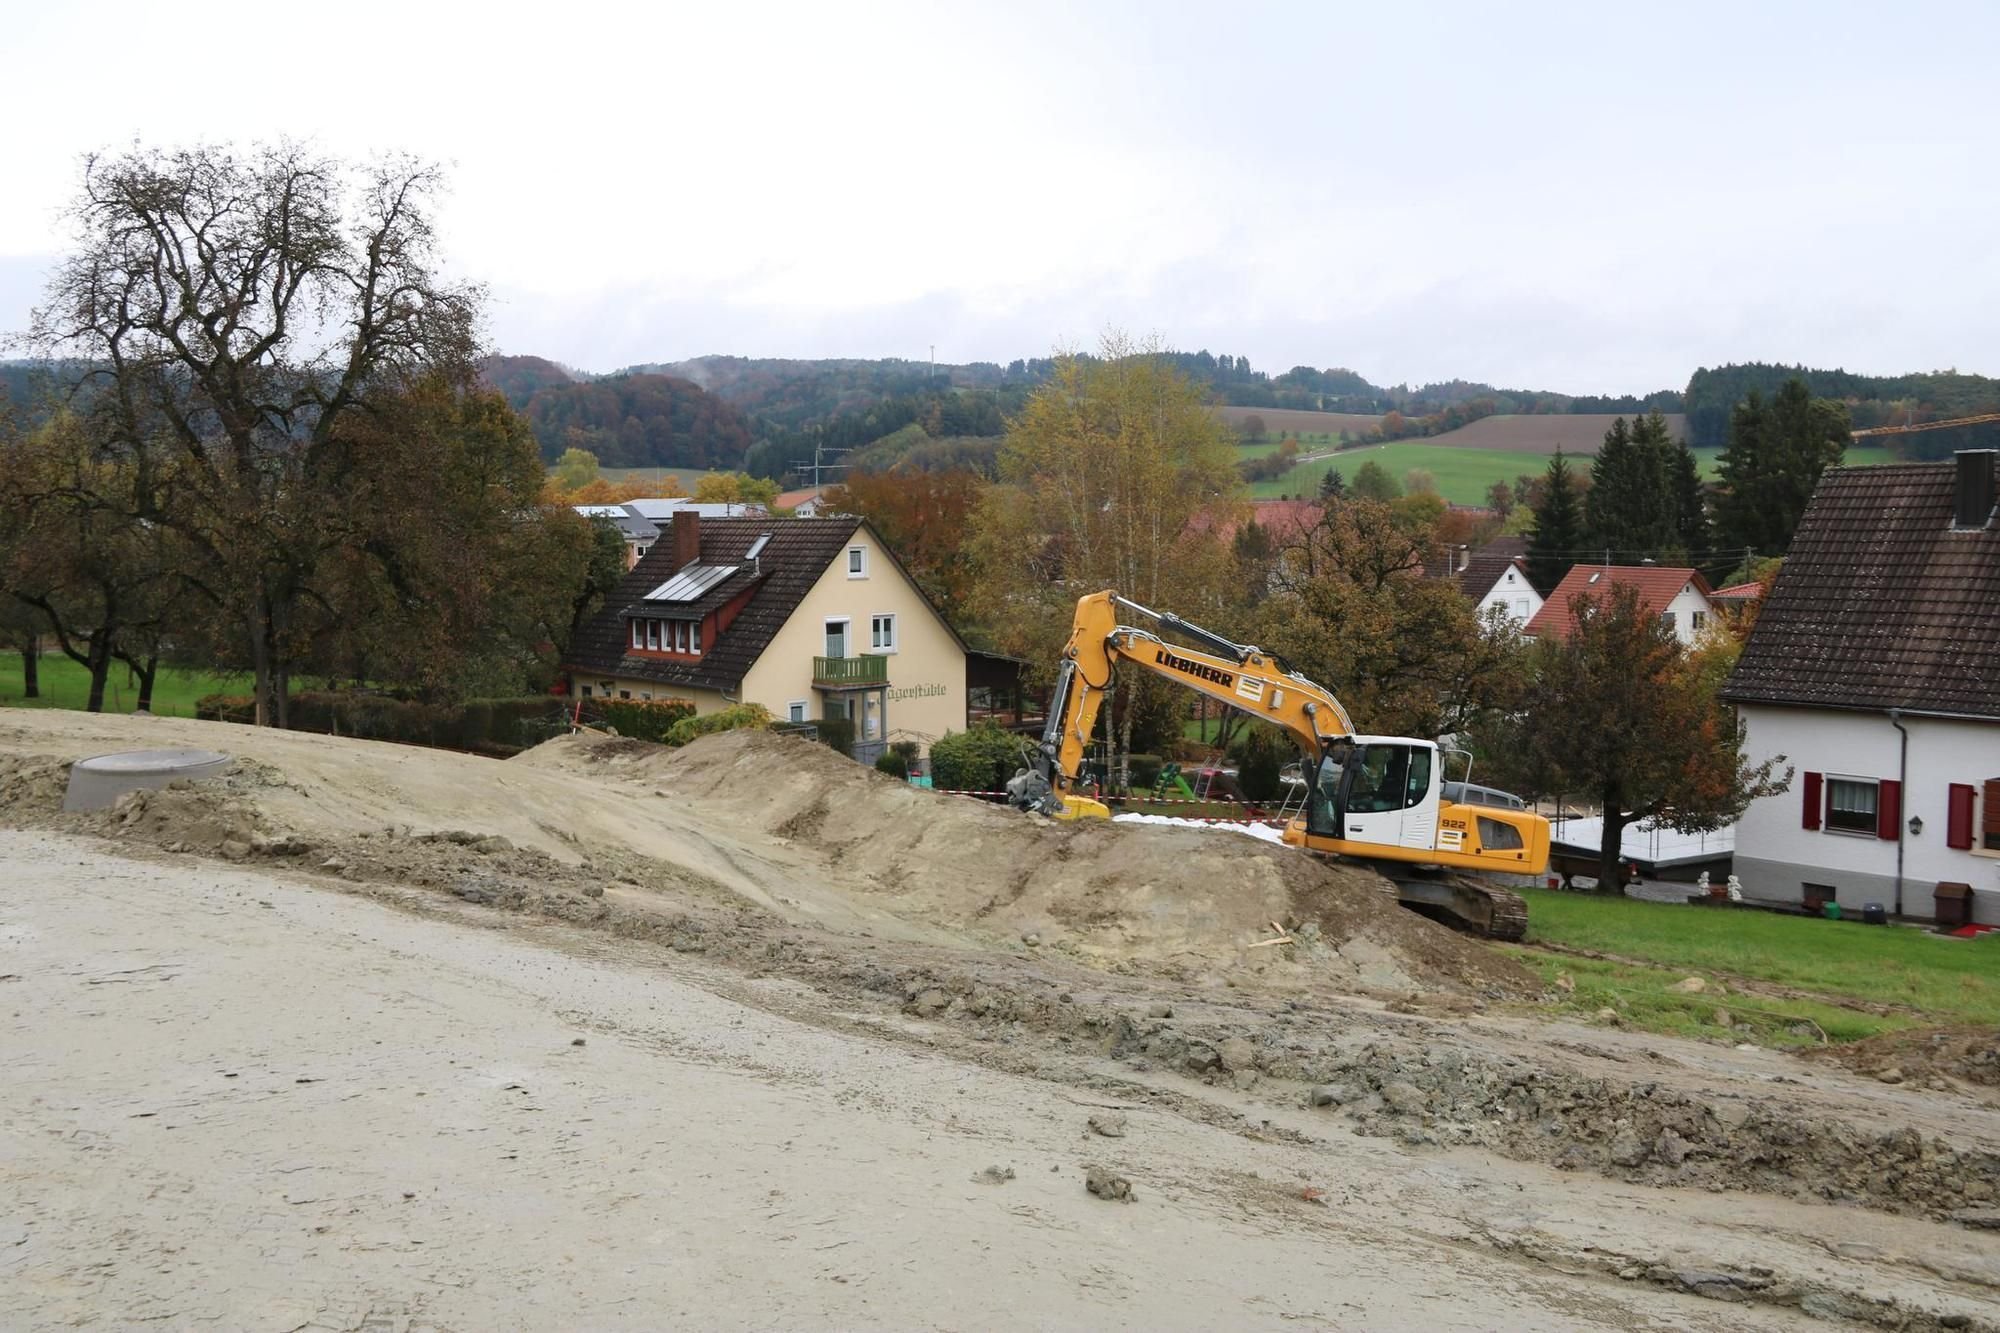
<point x="260" y="663"/>
<point x="147" y="674"/>
<point x="31" y="669"/>
<point x="1125" y="750"/>
<point x="100" y="670"/>
<point x="1610" y="870"/>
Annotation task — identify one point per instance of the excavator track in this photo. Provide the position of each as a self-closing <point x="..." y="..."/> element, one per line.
<point x="1471" y="905"/>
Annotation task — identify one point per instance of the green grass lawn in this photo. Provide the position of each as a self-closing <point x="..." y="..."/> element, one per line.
<point x="64" y="684"/>
<point x="1925" y="979"/>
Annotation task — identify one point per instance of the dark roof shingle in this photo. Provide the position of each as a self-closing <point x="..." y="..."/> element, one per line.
<point x="1880" y="604"/>
<point x="800" y="550"/>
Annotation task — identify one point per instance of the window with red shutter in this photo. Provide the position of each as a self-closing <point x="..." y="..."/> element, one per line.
<point x="1989" y="824"/>
<point x="1958" y="816"/>
<point x="1888" y="809"/>
<point x="1809" y="817"/>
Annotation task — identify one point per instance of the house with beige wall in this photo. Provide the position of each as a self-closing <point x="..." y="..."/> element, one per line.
<point x="810" y="617"/>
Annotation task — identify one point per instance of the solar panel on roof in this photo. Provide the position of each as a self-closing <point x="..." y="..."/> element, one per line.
<point x="690" y="583"/>
<point x="757" y="547"/>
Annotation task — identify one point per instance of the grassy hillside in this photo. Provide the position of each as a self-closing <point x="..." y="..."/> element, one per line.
<point x="1464" y="475"/>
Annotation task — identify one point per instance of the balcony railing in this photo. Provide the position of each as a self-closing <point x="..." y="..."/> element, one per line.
<point x="848" y="672"/>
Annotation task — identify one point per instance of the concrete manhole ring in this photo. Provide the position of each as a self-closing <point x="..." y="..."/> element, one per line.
<point x="97" y="782"/>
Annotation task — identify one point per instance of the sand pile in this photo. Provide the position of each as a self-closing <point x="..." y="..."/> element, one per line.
<point x="1114" y="894"/>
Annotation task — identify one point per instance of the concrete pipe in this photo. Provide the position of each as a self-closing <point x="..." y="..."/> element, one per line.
<point x="97" y="782"/>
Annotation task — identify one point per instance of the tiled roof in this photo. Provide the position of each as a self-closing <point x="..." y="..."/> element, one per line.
<point x="1485" y="569"/>
<point x="793" y="499"/>
<point x="1656" y="585"/>
<point x="1738" y="592"/>
<point x="1283" y="521"/>
<point x="1880" y="604"/>
<point x="800" y="550"/>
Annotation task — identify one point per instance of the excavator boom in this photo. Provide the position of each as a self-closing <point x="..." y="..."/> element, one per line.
<point x="1371" y="798"/>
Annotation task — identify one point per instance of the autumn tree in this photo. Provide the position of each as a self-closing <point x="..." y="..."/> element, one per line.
<point x="735" y="488"/>
<point x="576" y="469"/>
<point x="1616" y="713"/>
<point x="1351" y="609"/>
<point x="1115" y="474"/>
<point x="922" y="517"/>
<point x="235" y="315"/>
<point x="1500" y="499"/>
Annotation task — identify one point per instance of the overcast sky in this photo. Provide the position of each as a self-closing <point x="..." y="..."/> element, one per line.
<point x="1592" y="197"/>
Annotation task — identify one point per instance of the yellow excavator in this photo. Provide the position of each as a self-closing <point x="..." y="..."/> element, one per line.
<point x="1375" y="799"/>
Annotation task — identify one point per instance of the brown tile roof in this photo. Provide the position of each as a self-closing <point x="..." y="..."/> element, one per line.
<point x="1484" y="569"/>
<point x="1656" y="585"/>
<point x="1738" y="592"/>
<point x="800" y="550"/>
<point x="1879" y="603"/>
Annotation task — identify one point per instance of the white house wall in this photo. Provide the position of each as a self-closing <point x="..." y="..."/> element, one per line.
<point x="1685" y="605"/>
<point x="1776" y="856"/>
<point x="1509" y="593"/>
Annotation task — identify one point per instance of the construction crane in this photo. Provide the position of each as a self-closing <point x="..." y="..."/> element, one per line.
<point x="1375" y="799"/>
<point x="1911" y="427"/>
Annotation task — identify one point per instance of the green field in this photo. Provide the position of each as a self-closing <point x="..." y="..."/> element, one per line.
<point x="1463" y="475"/>
<point x="64" y="684"/>
<point x="1853" y="980"/>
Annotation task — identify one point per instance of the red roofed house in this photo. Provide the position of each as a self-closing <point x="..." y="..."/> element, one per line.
<point x="1678" y="596"/>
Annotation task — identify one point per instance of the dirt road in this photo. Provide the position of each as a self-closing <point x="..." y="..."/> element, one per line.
<point x="240" y="1101"/>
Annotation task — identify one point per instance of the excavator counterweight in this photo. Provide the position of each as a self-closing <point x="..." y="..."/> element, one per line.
<point x="1377" y="799"/>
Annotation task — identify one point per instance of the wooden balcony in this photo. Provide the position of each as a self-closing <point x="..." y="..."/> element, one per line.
<point x="850" y="673"/>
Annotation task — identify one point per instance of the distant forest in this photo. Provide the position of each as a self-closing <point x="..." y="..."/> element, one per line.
<point x="627" y="420"/>
<point x="1872" y="400"/>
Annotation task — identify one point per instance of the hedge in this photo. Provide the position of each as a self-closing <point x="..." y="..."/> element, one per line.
<point x="646" y="719"/>
<point x="836" y="732"/>
<point x="982" y="759"/>
<point x="488" y="726"/>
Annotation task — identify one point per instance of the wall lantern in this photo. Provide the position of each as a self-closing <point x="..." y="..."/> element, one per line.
<point x="1916" y="825"/>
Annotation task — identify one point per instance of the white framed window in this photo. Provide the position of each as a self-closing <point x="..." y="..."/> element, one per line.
<point x="638" y="634"/>
<point x="1699" y="619"/>
<point x="1521" y="608"/>
<point x="1667" y="619"/>
<point x="694" y="638"/>
<point x="857" y="562"/>
<point x="836" y="636"/>
<point x="680" y="636"/>
<point x="624" y="694"/>
<point x="653" y="634"/>
<point x="1851" y="804"/>
<point x="795" y="711"/>
<point x="586" y="691"/>
<point x="645" y="694"/>
<point x="882" y="633"/>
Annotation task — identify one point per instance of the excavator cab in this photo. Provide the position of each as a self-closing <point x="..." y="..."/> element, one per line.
<point x="1378" y="790"/>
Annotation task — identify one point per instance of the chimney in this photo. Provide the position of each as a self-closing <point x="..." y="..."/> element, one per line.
<point x="687" y="538"/>
<point x="1464" y="557"/>
<point x="1972" y="506"/>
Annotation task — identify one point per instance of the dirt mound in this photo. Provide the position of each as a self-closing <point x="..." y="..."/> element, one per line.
<point x="1971" y="1055"/>
<point x="1188" y="900"/>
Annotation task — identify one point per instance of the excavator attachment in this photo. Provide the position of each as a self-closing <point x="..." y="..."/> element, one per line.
<point x="1029" y="790"/>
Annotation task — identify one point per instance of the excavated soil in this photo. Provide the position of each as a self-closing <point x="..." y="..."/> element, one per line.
<point x="1114" y="895"/>
<point x="1054" y="950"/>
<point x="1968" y="1054"/>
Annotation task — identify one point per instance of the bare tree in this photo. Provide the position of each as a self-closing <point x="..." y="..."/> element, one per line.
<point x="240" y="319"/>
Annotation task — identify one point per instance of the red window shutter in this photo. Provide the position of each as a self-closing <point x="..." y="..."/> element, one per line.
<point x="1812" y="806"/>
<point x="1958" y="821"/>
<point x="1889" y="810"/>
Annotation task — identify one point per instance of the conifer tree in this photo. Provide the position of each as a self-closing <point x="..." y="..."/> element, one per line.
<point x="1559" y="527"/>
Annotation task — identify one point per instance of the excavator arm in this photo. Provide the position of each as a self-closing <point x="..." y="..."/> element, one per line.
<point x="1243" y="677"/>
<point x="1380" y="801"/>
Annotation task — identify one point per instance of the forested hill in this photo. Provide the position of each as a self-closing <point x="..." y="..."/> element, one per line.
<point x="627" y="420"/>
<point x="1872" y="400"/>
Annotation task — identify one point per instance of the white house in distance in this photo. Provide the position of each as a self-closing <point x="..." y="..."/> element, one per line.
<point x="811" y="617"/>
<point x="1497" y="580"/>
<point x="1678" y="596"/>
<point x="1874" y="668"/>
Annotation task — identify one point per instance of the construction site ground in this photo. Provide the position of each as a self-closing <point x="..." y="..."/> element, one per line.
<point x="743" y="1035"/>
